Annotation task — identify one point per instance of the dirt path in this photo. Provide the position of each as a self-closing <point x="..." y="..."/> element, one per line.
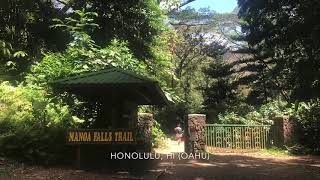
<point x="237" y="166"/>
<point x="219" y="166"/>
<point x="241" y="166"/>
<point x="172" y="147"/>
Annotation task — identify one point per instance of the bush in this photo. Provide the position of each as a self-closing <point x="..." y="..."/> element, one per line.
<point x="308" y="115"/>
<point x="261" y="116"/>
<point x="232" y="118"/>
<point x="32" y="126"/>
<point x="33" y="122"/>
<point x="157" y="135"/>
<point x="273" y="109"/>
<point x="34" y="143"/>
<point x="298" y="149"/>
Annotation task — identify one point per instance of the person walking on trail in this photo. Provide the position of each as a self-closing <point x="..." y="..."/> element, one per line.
<point x="178" y="131"/>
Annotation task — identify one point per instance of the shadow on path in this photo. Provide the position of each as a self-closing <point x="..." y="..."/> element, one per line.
<point x="218" y="166"/>
<point x="244" y="167"/>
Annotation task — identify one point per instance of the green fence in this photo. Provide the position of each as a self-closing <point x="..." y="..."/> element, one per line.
<point x="236" y="136"/>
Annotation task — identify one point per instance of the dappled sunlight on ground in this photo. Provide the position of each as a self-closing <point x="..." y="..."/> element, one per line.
<point x="237" y="166"/>
<point x="241" y="164"/>
<point x="218" y="166"/>
<point x="172" y="147"/>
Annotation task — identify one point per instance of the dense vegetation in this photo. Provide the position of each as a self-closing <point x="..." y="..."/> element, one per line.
<point x="41" y="116"/>
<point x="201" y="59"/>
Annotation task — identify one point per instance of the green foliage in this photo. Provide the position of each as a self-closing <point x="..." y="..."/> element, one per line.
<point x="283" y="39"/>
<point x="193" y="49"/>
<point x="305" y="114"/>
<point x="190" y="14"/>
<point x="169" y="116"/>
<point x="9" y="55"/>
<point x="308" y="115"/>
<point x="83" y="54"/>
<point x="274" y="151"/>
<point x="117" y="54"/>
<point x="85" y="21"/>
<point x="189" y="52"/>
<point x="32" y="28"/>
<point x="208" y="20"/>
<point x="33" y="120"/>
<point x="29" y="119"/>
<point x="77" y="59"/>
<point x="233" y="118"/>
<point x="220" y="94"/>
<point x="299" y="149"/>
<point x="25" y="32"/>
<point x="263" y="115"/>
<point x="134" y="21"/>
<point x="158" y="135"/>
<point x="274" y="108"/>
<point x="79" y="27"/>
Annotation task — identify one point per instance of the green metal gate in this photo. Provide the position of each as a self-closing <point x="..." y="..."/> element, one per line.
<point x="235" y="136"/>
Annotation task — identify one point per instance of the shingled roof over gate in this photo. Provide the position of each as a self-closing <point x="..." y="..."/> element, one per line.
<point x="114" y="81"/>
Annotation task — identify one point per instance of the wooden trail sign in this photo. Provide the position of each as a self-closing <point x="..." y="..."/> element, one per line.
<point x="101" y="136"/>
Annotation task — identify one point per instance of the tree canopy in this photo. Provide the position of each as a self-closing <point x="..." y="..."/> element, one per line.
<point x="283" y="38"/>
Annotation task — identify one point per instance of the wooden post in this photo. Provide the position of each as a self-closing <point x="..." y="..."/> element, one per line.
<point x="78" y="158"/>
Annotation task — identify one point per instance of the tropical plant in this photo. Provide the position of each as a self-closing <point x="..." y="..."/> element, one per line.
<point x="158" y="136"/>
<point x="308" y="124"/>
<point x="25" y="33"/>
<point x="262" y="115"/>
<point x="29" y="119"/>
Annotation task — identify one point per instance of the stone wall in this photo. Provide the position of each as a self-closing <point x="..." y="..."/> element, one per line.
<point x="144" y="132"/>
<point x="288" y="130"/>
<point x="195" y="137"/>
<point x="283" y="131"/>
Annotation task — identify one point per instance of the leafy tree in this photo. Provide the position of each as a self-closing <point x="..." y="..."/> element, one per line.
<point x="221" y="93"/>
<point x="82" y="53"/>
<point x="200" y="57"/>
<point x="255" y="115"/>
<point x="171" y="6"/>
<point x="191" y="15"/>
<point x="33" y="125"/>
<point x="33" y="119"/>
<point x="208" y="21"/>
<point x="307" y="115"/>
<point x="134" y="21"/>
<point x="283" y="38"/>
<point x="189" y="53"/>
<point x="25" y="33"/>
